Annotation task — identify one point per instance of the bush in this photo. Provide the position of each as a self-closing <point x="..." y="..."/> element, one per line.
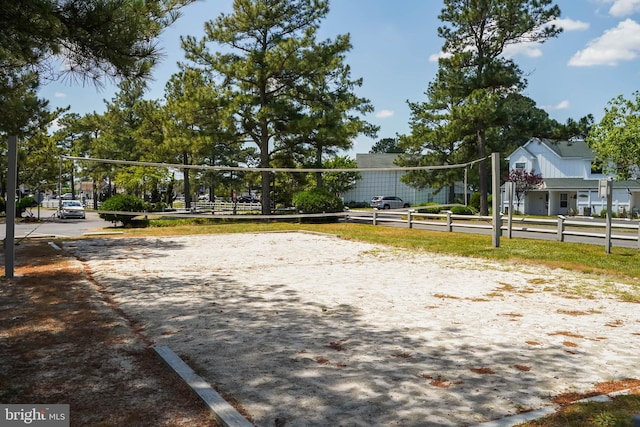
<point x="156" y="207"/>
<point x="3" y="205"/>
<point x="433" y="209"/>
<point x="603" y="214"/>
<point x="122" y="203"/>
<point x="474" y="201"/>
<point x="461" y="210"/>
<point x="23" y="204"/>
<point x="318" y="200"/>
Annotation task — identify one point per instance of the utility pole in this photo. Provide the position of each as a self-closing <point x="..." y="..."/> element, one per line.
<point x="12" y="178"/>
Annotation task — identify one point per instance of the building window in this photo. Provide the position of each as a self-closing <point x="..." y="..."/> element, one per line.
<point x="520" y="165"/>
<point x="596" y="167"/>
<point x="564" y="200"/>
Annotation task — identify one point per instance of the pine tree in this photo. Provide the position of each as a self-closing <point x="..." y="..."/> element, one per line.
<point x="474" y="76"/>
<point x="279" y="81"/>
<point x="94" y="39"/>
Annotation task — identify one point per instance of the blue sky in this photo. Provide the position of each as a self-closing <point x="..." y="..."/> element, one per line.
<point x="395" y="50"/>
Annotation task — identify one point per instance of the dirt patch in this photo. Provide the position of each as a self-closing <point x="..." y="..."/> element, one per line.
<point x="600" y="388"/>
<point x="61" y="342"/>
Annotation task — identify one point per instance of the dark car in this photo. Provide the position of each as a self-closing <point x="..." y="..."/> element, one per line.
<point x="247" y="199"/>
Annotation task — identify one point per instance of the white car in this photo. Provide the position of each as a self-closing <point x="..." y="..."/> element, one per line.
<point x="71" y="209"/>
<point x="388" y="202"/>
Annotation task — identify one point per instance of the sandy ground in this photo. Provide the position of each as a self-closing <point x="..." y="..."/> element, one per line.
<point x="310" y="330"/>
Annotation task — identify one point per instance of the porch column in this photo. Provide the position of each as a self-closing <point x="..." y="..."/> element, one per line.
<point x="554" y="203"/>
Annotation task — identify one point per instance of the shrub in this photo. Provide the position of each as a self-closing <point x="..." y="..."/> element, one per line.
<point x="318" y="200"/>
<point x="432" y="209"/>
<point x="461" y="210"/>
<point x="474" y="201"/>
<point x="3" y="205"/>
<point x="23" y="204"/>
<point x="156" y="207"/>
<point x="603" y="214"/>
<point x="122" y="203"/>
<point x="27" y="202"/>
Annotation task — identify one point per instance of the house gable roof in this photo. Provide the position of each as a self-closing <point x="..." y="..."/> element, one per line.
<point x="522" y="150"/>
<point x="575" y="148"/>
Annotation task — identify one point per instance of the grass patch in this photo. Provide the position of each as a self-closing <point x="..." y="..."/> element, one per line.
<point x="618" y="412"/>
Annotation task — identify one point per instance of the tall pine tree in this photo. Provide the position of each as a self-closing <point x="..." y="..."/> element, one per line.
<point x="475" y="77"/>
<point x="277" y="79"/>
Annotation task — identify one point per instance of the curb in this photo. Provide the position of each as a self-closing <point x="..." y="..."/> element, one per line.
<point x="224" y="413"/>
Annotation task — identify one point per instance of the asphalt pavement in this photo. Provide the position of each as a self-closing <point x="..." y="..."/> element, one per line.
<point x="51" y="226"/>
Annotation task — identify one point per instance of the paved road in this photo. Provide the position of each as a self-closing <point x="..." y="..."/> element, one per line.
<point x="54" y="227"/>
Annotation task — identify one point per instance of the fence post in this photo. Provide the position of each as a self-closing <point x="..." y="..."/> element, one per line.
<point x="509" y="186"/>
<point x="375" y="216"/>
<point x="495" y="198"/>
<point x="409" y="217"/>
<point x="561" y="228"/>
<point x="449" y="222"/>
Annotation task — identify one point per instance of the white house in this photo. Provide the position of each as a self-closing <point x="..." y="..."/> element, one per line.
<point x="387" y="183"/>
<point x="569" y="180"/>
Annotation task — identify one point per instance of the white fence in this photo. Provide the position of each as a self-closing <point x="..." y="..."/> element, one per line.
<point x="561" y="227"/>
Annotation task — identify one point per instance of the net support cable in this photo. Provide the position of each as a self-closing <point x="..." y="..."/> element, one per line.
<point x="259" y="169"/>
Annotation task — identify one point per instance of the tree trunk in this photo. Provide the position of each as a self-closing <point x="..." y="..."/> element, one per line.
<point x="95" y="195"/>
<point x="187" y="184"/>
<point x="265" y="175"/>
<point x="482" y="167"/>
<point x="452" y="193"/>
<point x="73" y="185"/>
<point x="319" y="165"/>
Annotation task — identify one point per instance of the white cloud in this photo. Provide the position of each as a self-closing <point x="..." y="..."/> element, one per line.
<point x="530" y="49"/>
<point x="436" y="56"/>
<point x="621" y="43"/>
<point x="570" y="25"/>
<point x="60" y="95"/>
<point x="54" y="126"/>
<point x="624" y="7"/>
<point x="562" y="105"/>
<point x="384" y="114"/>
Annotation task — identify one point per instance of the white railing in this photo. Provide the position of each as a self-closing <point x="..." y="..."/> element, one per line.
<point x="561" y="226"/>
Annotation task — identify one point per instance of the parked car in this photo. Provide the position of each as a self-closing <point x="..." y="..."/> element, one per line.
<point x="248" y="199"/>
<point x="67" y="196"/>
<point x="388" y="202"/>
<point x="71" y="209"/>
